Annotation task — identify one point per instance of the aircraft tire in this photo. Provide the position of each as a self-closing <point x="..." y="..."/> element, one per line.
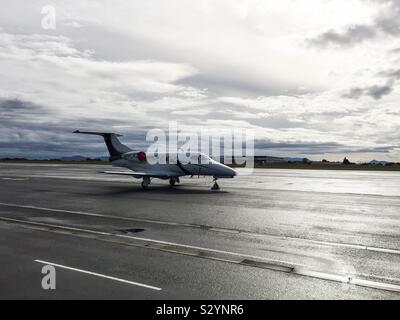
<point x="145" y="186"/>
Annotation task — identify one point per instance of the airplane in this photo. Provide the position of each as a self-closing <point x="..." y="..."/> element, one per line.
<point x="137" y="161"/>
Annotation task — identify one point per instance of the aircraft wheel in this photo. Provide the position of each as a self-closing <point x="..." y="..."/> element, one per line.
<point x="145" y="183"/>
<point x="172" y="181"/>
<point x="215" y="186"/>
<point x="145" y="186"/>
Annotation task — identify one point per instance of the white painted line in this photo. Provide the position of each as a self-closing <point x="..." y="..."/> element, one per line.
<point x="321" y="275"/>
<point x="99" y="275"/>
<point x="14" y="179"/>
<point x="376" y="285"/>
<point x="215" y="229"/>
<point x="377" y="249"/>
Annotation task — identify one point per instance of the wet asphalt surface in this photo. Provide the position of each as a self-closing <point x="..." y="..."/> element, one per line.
<point x="276" y="234"/>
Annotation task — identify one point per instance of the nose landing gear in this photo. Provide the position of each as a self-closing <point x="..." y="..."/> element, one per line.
<point x="215" y="185"/>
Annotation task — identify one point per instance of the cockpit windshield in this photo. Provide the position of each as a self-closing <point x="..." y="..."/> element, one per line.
<point x="203" y="158"/>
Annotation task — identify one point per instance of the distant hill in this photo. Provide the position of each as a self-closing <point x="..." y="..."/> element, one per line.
<point x="269" y="159"/>
<point x="290" y="159"/>
<point x="377" y="162"/>
<point x="73" y="158"/>
<point x="82" y="158"/>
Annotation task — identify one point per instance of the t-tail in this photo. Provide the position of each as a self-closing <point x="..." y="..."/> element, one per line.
<point x="114" y="146"/>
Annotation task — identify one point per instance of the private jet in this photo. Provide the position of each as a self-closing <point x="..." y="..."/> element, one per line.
<point x="198" y="164"/>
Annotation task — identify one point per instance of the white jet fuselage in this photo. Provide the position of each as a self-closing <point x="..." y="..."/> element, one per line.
<point x="197" y="164"/>
<point x="163" y="165"/>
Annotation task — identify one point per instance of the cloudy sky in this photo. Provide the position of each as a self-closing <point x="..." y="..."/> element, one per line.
<point x="315" y="78"/>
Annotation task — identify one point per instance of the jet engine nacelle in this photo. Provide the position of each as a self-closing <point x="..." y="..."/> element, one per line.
<point x="135" y="156"/>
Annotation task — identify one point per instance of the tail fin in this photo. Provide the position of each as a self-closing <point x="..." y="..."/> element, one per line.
<point x="114" y="146"/>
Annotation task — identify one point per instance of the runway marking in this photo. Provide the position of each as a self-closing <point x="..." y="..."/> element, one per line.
<point x="99" y="275"/>
<point x="215" y="229"/>
<point x="100" y="215"/>
<point x="14" y="179"/>
<point x="214" y="254"/>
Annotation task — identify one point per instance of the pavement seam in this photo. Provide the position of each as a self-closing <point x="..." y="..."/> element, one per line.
<point x="210" y="228"/>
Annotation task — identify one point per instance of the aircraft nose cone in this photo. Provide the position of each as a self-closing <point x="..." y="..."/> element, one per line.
<point x="227" y="171"/>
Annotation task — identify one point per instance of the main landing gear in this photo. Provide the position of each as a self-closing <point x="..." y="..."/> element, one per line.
<point x="215" y="185"/>
<point x="145" y="183"/>
<point x="172" y="181"/>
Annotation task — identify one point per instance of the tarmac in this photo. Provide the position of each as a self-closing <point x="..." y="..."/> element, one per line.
<point x="276" y="234"/>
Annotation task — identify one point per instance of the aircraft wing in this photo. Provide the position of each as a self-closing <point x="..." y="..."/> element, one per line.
<point x="135" y="174"/>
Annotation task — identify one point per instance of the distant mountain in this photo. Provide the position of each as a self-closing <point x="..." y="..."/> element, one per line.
<point x="269" y="159"/>
<point x="73" y="158"/>
<point x="290" y="159"/>
<point x="81" y="158"/>
<point x="377" y="162"/>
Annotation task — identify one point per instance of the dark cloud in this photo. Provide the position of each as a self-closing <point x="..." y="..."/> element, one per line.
<point x="387" y="23"/>
<point x="385" y="149"/>
<point x="32" y="131"/>
<point x="393" y="74"/>
<point x="62" y="143"/>
<point x="31" y="138"/>
<point x="376" y="91"/>
<point x="354" y="93"/>
<point x="15" y="104"/>
<point x="265" y="144"/>
<point x="354" y="34"/>
<point x="312" y="148"/>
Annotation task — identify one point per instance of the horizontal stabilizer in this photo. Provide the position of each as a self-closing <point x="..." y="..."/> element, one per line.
<point x="98" y="133"/>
